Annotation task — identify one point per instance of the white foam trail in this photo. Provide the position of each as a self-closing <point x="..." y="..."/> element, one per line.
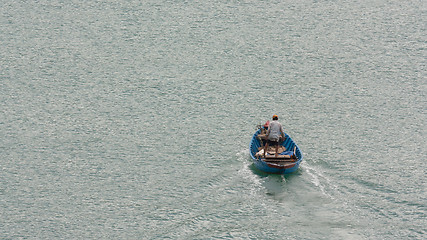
<point x="246" y="172"/>
<point x="319" y="180"/>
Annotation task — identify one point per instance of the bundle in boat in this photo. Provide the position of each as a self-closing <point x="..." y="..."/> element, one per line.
<point x="271" y="150"/>
<point x="282" y="154"/>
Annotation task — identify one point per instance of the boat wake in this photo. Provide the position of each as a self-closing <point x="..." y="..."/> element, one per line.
<point x="320" y="181"/>
<point x="246" y="169"/>
<point x="313" y="176"/>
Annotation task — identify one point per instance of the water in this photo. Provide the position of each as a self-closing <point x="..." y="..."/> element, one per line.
<point x="132" y="119"/>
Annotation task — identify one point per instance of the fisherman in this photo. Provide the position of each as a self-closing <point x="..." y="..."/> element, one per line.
<point x="275" y="134"/>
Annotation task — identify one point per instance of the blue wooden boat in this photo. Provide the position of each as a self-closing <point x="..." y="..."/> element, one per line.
<point x="287" y="161"/>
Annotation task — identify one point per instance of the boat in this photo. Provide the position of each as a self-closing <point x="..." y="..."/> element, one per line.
<point x="287" y="161"/>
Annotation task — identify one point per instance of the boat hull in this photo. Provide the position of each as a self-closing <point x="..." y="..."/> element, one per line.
<point x="269" y="167"/>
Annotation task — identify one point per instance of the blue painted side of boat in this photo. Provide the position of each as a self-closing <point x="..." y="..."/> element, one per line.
<point x="259" y="163"/>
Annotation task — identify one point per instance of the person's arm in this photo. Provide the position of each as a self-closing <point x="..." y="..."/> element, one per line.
<point x="268" y="131"/>
<point x="282" y="132"/>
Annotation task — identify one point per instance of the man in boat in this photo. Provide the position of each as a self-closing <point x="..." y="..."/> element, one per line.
<point x="275" y="134"/>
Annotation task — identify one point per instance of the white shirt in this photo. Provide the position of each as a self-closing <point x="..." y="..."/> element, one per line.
<point x="275" y="130"/>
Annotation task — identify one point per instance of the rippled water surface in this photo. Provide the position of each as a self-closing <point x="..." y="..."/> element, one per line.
<point x="132" y="119"/>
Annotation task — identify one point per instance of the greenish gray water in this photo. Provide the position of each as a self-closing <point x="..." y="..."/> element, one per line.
<point x="132" y="119"/>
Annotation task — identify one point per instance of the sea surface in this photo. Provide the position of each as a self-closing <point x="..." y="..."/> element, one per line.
<point x="126" y="119"/>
